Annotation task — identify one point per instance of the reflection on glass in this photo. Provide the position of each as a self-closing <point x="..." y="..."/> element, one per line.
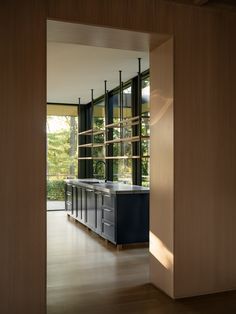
<point x="127" y="102"/>
<point x="116" y="132"/>
<point x="145" y="97"/>
<point x="122" y="170"/>
<point x="145" y="128"/>
<point x="127" y="130"/>
<point x="98" y="151"/>
<point x="116" y="149"/>
<point x="98" y="139"/>
<point x="127" y="147"/>
<point x="99" y="169"/>
<point x="99" y="115"/>
<point x="114" y="104"/>
<point x="145" y="172"/>
<point x="145" y="145"/>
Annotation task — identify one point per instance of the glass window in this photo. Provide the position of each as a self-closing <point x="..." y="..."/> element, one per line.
<point x="145" y="127"/>
<point x="145" y="94"/>
<point x="122" y="170"/>
<point x="98" y="150"/>
<point x="62" y="152"/>
<point x="127" y="102"/>
<point x="99" y="115"/>
<point x="145" y="165"/>
<point x="114" y="104"/>
<point x="99" y="169"/>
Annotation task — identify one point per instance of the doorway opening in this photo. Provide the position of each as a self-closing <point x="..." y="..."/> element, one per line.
<point x="82" y="266"/>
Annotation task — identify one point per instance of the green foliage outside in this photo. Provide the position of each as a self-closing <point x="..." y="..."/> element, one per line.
<point x="62" y="159"/>
<point x="55" y="190"/>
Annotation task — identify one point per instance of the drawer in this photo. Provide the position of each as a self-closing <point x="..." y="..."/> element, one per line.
<point x="108" y="231"/>
<point x="108" y="214"/>
<point x="108" y="200"/>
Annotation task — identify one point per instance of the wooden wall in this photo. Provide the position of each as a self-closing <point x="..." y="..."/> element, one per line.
<point x="162" y="168"/>
<point x="22" y="158"/>
<point x="205" y="151"/>
<point x="204" y="139"/>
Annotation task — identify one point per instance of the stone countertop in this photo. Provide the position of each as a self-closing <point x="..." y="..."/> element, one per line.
<point x="108" y="187"/>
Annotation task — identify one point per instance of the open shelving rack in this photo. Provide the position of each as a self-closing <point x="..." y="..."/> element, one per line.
<point x="129" y="122"/>
<point x="123" y="139"/>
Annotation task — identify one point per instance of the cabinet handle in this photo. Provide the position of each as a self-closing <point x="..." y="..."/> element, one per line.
<point x="87" y="190"/>
<point x="107" y="209"/>
<point x="107" y="224"/>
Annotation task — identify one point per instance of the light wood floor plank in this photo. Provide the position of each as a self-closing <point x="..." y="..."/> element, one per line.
<point x="85" y="276"/>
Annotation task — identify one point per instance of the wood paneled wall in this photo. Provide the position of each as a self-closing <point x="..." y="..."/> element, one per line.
<point x="205" y="151"/>
<point x="204" y="139"/>
<point x="22" y="158"/>
<point x="162" y="168"/>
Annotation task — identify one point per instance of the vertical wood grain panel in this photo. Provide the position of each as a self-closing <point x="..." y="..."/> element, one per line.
<point x="204" y="133"/>
<point x="205" y="151"/>
<point x="22" y="158"/>
<point x="124" y="14"/>
<point x="162" y="168"/>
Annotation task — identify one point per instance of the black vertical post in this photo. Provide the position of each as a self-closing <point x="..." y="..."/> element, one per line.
<point x="105" y="133"/>
<point x="78" y="114"/>
<point x="89" y="168"/>
<point x="109" y="135"/>
<point x="121" y="114"/>
<point x="82" y="140"/>
<point x="139" y="111"/>
<point x="135" y="129"/>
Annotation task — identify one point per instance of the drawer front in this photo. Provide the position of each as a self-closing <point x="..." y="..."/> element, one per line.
<point x="108" y="231"/>
<point x="108" y="214"/>
<point x="108" y="201"/>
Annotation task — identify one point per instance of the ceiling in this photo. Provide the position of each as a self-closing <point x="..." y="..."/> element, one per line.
<point x="74" y="68"/>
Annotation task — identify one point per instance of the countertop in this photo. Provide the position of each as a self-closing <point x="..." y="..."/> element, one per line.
<point x="108" y="187"/>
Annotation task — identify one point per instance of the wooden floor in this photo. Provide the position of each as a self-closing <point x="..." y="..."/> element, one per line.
<point x="86" y="277"/>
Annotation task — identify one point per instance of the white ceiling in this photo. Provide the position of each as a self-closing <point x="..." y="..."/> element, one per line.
<point x="74" y="69"/>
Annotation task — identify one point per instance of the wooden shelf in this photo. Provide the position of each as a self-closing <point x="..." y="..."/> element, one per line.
<point x="85" y="158"/>
<point x="91" y="132"/>
<point x="85" y="145"/>
<point x="91" y="145"/>
<point x="125" y="139"/>
<point x="122" y="157"/>
<point x="98" y="145"/>
<point x="123" y="122"/>
<point x="113" y="157"/>
<point x="91" y="158"/>
<point x="87" y="132"/>
<point x="98" y="132"/>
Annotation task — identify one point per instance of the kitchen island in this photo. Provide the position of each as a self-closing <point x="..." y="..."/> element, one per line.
<point x="117" y="212"/>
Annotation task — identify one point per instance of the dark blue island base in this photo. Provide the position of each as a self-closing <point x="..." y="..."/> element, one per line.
<point x="119" y="214"/>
